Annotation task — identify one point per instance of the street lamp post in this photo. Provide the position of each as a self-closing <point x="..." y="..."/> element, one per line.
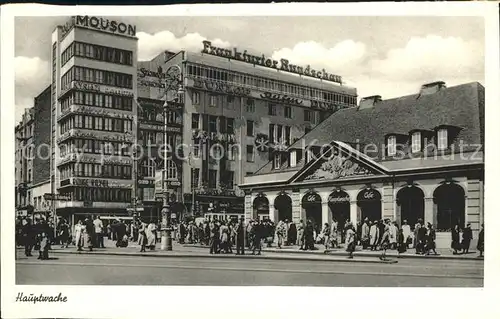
<point x="173" y="83"/>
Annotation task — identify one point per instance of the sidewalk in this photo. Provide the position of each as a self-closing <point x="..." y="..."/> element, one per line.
<point x="187" y="251"/>
<point x="410" y="253"/>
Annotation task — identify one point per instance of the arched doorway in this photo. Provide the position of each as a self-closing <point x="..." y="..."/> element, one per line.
<point x="370" y="203"/>
<point x="410" y="200"/>
<point x="340" y="208"/>
<point x="283" y="206"/>
<point x="311" y="203"/>
<point x="450" y="201"/>
<point x="260" y="207"/>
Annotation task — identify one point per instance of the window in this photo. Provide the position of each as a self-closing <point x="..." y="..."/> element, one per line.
<point x="288" y="112"/>
<point x="250" y="128"/>
<point x="307" y="116"/>
<point x="212" y="124"/>
<point x="271" y="109"/>
<point x="29" y="175"/>
<point x="196" y="150"/>
<point x="391" y="145"/>
<point x="250" y="106"/>
<point x="230" y="179"/>
<point x="442" y="139"/>
<point x="213" y="100"/>
<point x="195" y="177"/>
<point x="148" y="194"/>
<point x="232" y="151"/>
<point x="148" y="168"/>
<point x="416" y="142"/>
<point x="171" y="170"/>
<point x="196" y="97"/>
<point x="195" y="121"/>
<point x="293" y="158"/>
<point x="212" y="178"/>
<point x="271" y="133"/>
<point x="277" y="161"/>
<point x="288" y="135"/>
<point x="230" y="125"/>
<point x="250" y="153"/>
<point x="230" y="98"/>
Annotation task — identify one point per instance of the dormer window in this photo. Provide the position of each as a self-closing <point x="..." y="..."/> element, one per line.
<point x="293" y="158"/>
<point x="277" y="161"/>
<point x="391" y="145"/>
<point x="416" y="142"/>
<point x="442" y="139"/>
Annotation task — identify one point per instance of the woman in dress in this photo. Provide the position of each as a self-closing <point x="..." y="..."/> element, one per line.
<point x="385" y="242"/>
<point x="142" y="240"/>
<point x="401" y="239"/>
<point x="150" y="236"/>
<point x="280" y="232"/>
<point x="431" y="240"/>
<point x="374" y="235"/>
<point x="350" y="240"/>
<point x="480" y="241"/>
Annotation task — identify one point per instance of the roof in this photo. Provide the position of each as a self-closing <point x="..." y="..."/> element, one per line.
<point x="461" y="106"/>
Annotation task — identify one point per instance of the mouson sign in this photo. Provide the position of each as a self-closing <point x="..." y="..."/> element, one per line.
<point x="101" y="24"/>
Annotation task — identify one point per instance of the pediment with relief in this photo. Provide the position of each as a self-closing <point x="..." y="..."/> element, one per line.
<point x="338" y="166"/>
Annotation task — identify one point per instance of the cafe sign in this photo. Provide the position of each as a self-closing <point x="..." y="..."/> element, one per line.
<point x="339" y="198"/>
<point x="282" y="65"/>
<point x="280" y="98"/>
<point x="100" y="24"/>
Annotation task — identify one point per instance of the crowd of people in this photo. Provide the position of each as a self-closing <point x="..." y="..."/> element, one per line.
<point x="222" y="235"/>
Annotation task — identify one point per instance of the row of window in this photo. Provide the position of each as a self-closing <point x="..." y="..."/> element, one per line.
<point x="226" y="124"/>
<point x="97" y="52"/>
<point x="97" y="123"/>
<point x="242" y="79"/>
<point x="280" y="134"/>
<point x="272" y="108"/>
<point x="149" y="137"/>
<point x="96" y="170"/>
<point x="153" y="115"/>
<point x="79" y="73"/>
<point x="97" y="99"/>
<point x="442" y="140"/>
<point x="148" y="169"/>
<point x="226" y="178"/>
<point x="100" y="194"/>
<point x="94" y="147"/>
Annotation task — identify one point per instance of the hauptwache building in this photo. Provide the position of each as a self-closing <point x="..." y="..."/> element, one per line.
<point x="411" y="157"/>
<point x="246" y="103"/>
<point x="93" y="86"/>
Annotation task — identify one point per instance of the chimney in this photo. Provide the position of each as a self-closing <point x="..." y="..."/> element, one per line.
<point x="369" y="102"/>
<point x="431" y="88"/>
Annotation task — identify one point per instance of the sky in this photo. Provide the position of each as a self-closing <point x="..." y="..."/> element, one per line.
<point x="387" y="56"/>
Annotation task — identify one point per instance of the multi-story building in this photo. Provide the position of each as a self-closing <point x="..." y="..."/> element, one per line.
<point x="407" y="158"/>
<point x="237" y="111"/>
<point x="93" y="90"/>
<point x="24" y="163"/>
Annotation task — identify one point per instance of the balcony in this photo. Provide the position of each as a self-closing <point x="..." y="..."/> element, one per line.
<point x="95" y="111"/>
<point x="198" y="134"/>
<point x="97" y="135"/>
<point x="94" y="159"/>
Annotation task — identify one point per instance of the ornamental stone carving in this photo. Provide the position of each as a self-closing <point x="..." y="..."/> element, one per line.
<point x="338" y="167"/>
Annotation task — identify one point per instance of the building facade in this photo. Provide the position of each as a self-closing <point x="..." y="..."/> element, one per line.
<point x="232" y="117"/>
<point x="24" y="152"/>
<point x="93" y="90"/>
<point x="414" y="157"/>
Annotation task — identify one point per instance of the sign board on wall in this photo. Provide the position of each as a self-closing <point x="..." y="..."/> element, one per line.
<point x="100" y="24"/>
<point x="159" y="182"/>
<point x="79" y="85"/>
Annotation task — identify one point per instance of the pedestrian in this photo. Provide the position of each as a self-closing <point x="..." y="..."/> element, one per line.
<point x="407" y="233"/>
<point x="374" y="235"/>
<point x="64" y="233"/>
<point x="455" y="239"/>
<point x="213" y="235"/>
<point x="90" y="231"/>
<point x="431" y="240"/>
<point x="334" y="235"/>
<point x="350" y="240"/>
<point x="240" y="237"/>
<point x="280" y="232"/>
<point x="300" y="234"/>
<point x="385" y="242"/>
<point x="224" y="237"/>
<point x="151" y="236"/>
<point x="480" y="241"/>
<point x="98" y="226"/>
<point x="401" y="242"/>
<point x="291" y="233"/>
<point x="309" y="236"/>
<point x="466" y="238"/>
<point x="43" y="245"/>
<point x="79" y="240"/>
<point x="257" y="230"/>
<point x="420" y="238"/>
<point x="393" y="233"/>
<point x="365" y="234"/>
<point x="326" y="235"/>
<point x="142" y="239"/>
<point x="29" y="237"/>
<point x="415" y="234"/>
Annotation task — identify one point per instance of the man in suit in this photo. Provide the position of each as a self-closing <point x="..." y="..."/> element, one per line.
<point x="240" y="237"/>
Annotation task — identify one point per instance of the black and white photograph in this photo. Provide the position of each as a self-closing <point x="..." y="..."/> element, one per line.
<point x="288" y="149"/>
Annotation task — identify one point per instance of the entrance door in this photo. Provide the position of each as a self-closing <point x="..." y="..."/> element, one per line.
<point x="369" y="201"/>
<point x="311" y="203"/>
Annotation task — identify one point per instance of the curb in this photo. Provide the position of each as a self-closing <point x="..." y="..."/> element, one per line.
<point x="358" y="253"/>
<point x="193" y="255"/>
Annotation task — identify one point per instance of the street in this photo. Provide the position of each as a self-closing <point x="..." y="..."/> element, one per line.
<point x="65" y="269"/>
